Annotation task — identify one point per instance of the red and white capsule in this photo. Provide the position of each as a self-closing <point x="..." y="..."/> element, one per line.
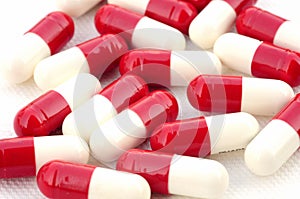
<point x="203" y="136"/>
<point x="94" y="56"/>
<point x="46" y="38"/>
<point x="277" y="142"/>
<point x="175" y="174"/>
<point x="265" y="26"/>
<point x="76" y="8"/>
<point x="176" y="68"/>
<point x="228" y="94"/>
<point x="139" y="30"/>
<point x="103" y="106"/>
<point x="23" y="157"/>
<point x="60" y="179"/>
<point x="214" y="20"/>
<point x="257" y="58"/>
<point x="45" y="115"/>
<point x="132" y="126"/>
<point x="199" y="4"/>
<point x="175" y="13"/>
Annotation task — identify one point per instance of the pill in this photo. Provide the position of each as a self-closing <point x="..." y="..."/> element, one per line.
<point x="136" y="29"/>
<point x="46" y="38"/>
<point x="131" y="127"/>
<point x="60" y="179"/>
<point x="214" y="20"/>
<point x="175" y="13"/>
<point x="23" y="157"/>
<point x="176" y="174"/>
<point x="106" y="104"/>
<point x="265" y="26"/>
<point x="203" y="136"/>
<point x="277" y="142"/>
<point x="45" y="115"/>
<point x="228" y="94"/>
<point x="259" y="59"/>
<point x="176" y="68"/>
<point x="199" y="4"/>
<point x="76" y="8"/>
<point x="94" y="56"/>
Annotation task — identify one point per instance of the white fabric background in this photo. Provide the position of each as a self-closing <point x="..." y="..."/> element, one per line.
<point x="17" y="16"/>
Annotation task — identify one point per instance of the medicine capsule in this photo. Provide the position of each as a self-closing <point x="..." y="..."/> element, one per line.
<point x="214" y="20"/>
<point x="76" y="8"/>
<point x="45" y="115"/>
<point x="265" y="26"/>
<point x="277" y="142"/>
<point x="258" y="59"/>
<point x="46" y="38"/>
<point x="136" y="29"/>
<point x="204" y="136"/>
<point x="103" y="106"/>
<point x="228" y="94"/>
<point x="131" y="127"/>
<point x="175" y="174"/>
<point x="169" y="68"/>
<point x="199" y="4"/>
<point x="175" y="13"/>
<point x="23" y="157"/>
<point x="59" y="179"/>
<point x="94" y="56"/>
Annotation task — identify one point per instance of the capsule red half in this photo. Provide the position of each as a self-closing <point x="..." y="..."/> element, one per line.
<point x="199" y="4"/>
<point x="175" y="13"/>
<point x="136" y="28"/>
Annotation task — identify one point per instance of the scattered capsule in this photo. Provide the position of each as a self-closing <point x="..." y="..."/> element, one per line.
<point x="204" y="136"/>
<point x="136" y="29"/>
<point x="176" y="68"/>
<point x="46" y="38"/>
<point x="76" y="8"/>
<point x="175" y="13"/>
<point x="277" y="142"/>
<point x="94" y="56"/>
<point x="265" y="26"/>
<point x="214" y="20"/>
<point x="258" y="59"/>
<point x="103" y="106"/>
<point x="175" y="174"/>
<point x="23" y="157"/>
<point x="199" y="4"/>
<point x="59" y="179"/>
<point x="45" y="115"/>
<point x="131" y="127"/>
<point x="228" y="94"/>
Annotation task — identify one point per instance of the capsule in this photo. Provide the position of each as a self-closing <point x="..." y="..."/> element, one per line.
<point x="131" y="127"/>
<point x="176" y="174"/>
<point x="45" y="115"/>
<point x="199" y="4"/>
<point x="258" y="59"/>
<point x="140" y="31"/>
<point x="203" y="136"/>
<point x="265" y="26"/>
<point x="61" y="179"/>
<point x="76" y="8"/>
<point x="228" y="94"/>
<point x="46" y="38"/>
<point x="175" y="13"/>
<point x="214" y="20"/>
<point x="94" y="56"/>
<point x="23" y="157"/>
<point x="103" y="106"/>
<point x="277" y="142"/>
<point x="169" y="68"/>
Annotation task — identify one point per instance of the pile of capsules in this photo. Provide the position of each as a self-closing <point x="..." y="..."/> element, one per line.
<point x="110" y="123"/>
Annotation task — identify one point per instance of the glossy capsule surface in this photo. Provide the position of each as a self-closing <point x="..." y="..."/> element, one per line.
<point x="199" y="4"/>
<point x="76" y="8"/>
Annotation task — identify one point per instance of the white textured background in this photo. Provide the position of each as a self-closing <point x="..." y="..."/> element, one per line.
<point x="17" y="16"/>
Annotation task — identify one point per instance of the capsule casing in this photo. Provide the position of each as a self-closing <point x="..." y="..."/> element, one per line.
<point x="76" y="8"/>
<point x="199" y="4"/>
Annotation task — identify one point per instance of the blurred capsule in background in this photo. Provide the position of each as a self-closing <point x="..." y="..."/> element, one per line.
<point x="76" y="8"/>
<point x="140" y="31"/>
<point x="46" y="38"/>
<point x="169" y="68"/>
<point x="45" y="115"/>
